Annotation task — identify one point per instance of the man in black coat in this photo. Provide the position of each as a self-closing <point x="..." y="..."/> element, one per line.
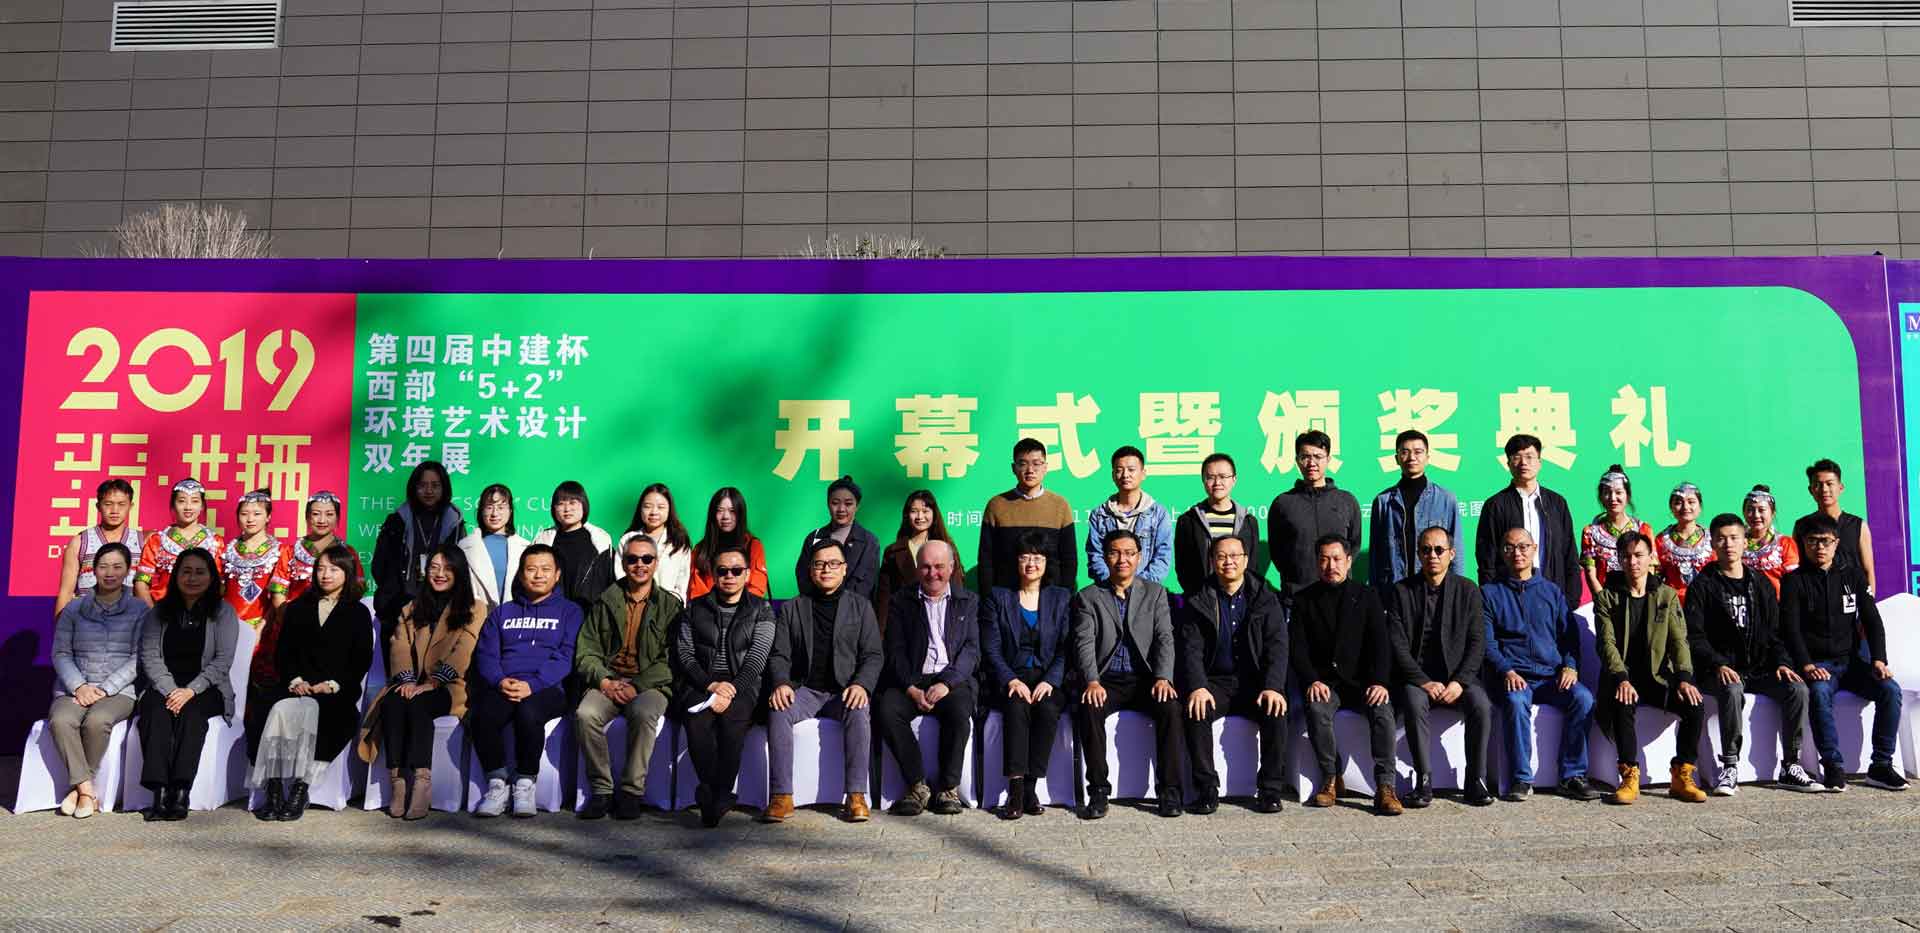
<point x="1439" y="634"/>
<point x="1341" y="657"/>
<point x="1233" y="661"/>
<point x="932" y="650"/>
<point x="1542" y="512"/>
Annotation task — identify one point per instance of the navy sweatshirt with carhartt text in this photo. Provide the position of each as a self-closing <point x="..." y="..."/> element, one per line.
<point x="530" y="641"/>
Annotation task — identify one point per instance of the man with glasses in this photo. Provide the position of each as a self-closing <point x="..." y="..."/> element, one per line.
<point x="1233" y="661"/>
<point x="1402" y="511"/>
<point x="1439" y="633"/>
<point x="1533" y="650"/>
<point x="1124" y="657"/>
<point x="1028" y="506"/>
<point x="1311" y="510"/>
<point x="621" y="656"/>
<point x="1215" y="517"/>
<point x="825" y="664"/>
<point x="1825" y="605"/>
<point x="1542" y="512"/>
<point x="932" y="647"/>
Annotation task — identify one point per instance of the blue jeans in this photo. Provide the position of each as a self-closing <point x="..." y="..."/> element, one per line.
<point x="1855" y="676"/>
<point x="1576" y="705"/>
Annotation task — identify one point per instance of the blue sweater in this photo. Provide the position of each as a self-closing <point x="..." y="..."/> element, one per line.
<point x="528" y="641"/>
<point x="1530" y="630"/>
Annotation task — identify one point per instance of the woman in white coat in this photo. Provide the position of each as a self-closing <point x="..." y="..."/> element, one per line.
<point x="493" y="551"/>
<point x="656" y="517"/>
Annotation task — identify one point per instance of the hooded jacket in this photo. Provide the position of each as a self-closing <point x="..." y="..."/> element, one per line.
<point x="1298" y="518"/>
<point x="1734" y="623"/>
<point x="1192" y="541"/>
<point x="1151" y="524"/>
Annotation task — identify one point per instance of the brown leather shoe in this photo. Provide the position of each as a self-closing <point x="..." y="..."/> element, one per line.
<point x="1329" y="792"/>
<point x="778" y="809"/>
<point x="422" y="792"/>
<point x="396" y="793"/>
<point x="1386" y="802"/>
<point x="856" y="810"/>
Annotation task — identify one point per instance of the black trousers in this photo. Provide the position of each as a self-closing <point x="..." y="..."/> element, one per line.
<point x="1027" y="730"/>
<point x="489" y="715"/>
<point x="715" y="740"/>
<point x="172" y="743"/>
<point x="1475" y="710"/>
<point x="1626" y="738"/>
<point x="1130" y="692"/>
<point x="1231" y="699"/>
<point x="1379" y="732"/>
<point x="893" y="716"/>
<point x="407" y="726"/>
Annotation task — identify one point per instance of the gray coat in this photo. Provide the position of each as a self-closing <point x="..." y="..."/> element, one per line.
<point x="1096" y="628"/>
<point x="98" y="644"/>
<point x="216" y="659"/>
<point x="857" y="651"/>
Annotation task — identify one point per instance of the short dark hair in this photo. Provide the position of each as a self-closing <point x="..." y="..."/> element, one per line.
<point x="1032" y="541"/>
<point x="1346" y="547"/>
<point x="1412" y="435"/>
<point x="1630" y="539"/>
<point x="846" y="483"/>
<point x="1127" y="451"/>
<point x="821" y="544"/>
<point x="1213" y="547"/>
<point x="570" y="489"/>
<point x="1313" y="438"/>
<point x="1217" y="457"/>
<point x="1028" y="445"/>
<point x="114" y="547"/>
<point x="1824" y="465"/>
<point x="1106" y="543"/>
<point x="726" y="549"/>
<point x="1520" y="442"/>
<point x="1724" y="519"/>
<point x="1819" y="523"/>
<point x="115" y="484"/>
<point x="533" y="551"/>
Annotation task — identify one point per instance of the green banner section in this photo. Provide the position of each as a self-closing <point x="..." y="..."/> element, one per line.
<point x="777" y="394"/>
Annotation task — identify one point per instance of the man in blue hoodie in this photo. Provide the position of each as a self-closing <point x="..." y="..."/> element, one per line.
<point x="1533" y="652"/>
<point x="524" y="654"/>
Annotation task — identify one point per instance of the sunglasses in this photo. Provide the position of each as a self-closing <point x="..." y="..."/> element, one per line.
<point x="1424" y="550"/>
<point x="631" y="559"/>
<point x="729" y="571"/>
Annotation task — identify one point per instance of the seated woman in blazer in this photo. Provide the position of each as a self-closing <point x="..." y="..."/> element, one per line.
<point x="326" y="646"/>
<point x="186" y="656"/>
<point x="1023" y="636"/>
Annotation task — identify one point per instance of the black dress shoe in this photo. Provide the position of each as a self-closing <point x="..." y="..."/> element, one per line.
<point x="1016" y="798"/>
<point x="181" y="806"/>
<point x="1579" y="788"/>
<point x="597" y="807"/>
<point x="276" y="798"/>
<point x="1032" y="805"/>
<point x="626" y="806"/>
<point x="296" y="802"/>
<point x="1169" y="806"/>
<point x="1096" y="806"/>
<point x="1478" y="795"/>
<point x="1518" y="793"/>
<point x="157" y="810"/>
<point x="1207" y="804"/>
<point x="714" y="809"/>
<point x="1422" y="795"/>
<point x="1267" y="803"/>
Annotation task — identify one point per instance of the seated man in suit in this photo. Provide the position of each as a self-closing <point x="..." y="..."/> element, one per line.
<point x="1233" y="660"/>
<point x="932" y="647"/>
<point x="1123" y="653"/>
<point x="825" y="664"/>
<point x="1439" y="634"/>
<point x="1341" y="655"/>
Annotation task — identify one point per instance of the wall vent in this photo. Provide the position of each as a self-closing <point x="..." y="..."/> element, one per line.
<point x="155" y="25"/>
<point x="1854" y="12"/>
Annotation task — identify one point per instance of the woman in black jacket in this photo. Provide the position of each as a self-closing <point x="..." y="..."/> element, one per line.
<point x="720" y="647"/>
<point x="326" y="646"/>
<point x="409" y="537"/>
<point x="1023" y="639"/>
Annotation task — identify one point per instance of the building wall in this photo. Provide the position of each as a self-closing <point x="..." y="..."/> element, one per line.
<point x="729" y="127"/>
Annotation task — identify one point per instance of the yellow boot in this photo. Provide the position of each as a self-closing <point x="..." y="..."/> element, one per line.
<point x="1629" y="789"/>
<point x="1684" y="787"/>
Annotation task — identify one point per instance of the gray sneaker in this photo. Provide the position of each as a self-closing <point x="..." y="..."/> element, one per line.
<point x="1727" y="782"/>
<point x="495" y="802"/>
<point x="523" y="797"/>
<point x="1795" y="777"/>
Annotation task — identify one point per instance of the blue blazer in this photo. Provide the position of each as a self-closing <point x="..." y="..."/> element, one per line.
<point x="905" y="640"/>
<point x="1000" y="641"/>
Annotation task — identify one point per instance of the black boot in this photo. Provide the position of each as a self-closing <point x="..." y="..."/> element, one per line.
<point x="162" y="802"/>
<point x="179" y="809"/>
<point x="1032" y="803"/>
<point x="276" y="798"/>
<point x="1016" y="798"/>
<point x="296" y="805"/>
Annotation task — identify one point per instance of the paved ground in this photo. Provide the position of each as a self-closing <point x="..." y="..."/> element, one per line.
<point x="1767" y="860"/>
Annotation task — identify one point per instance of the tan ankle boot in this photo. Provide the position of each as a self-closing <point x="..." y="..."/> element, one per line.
<point x="422" y="791"/>
<point x="396" y="793"/>
<point x="1685" y="786"/>
<point x="778" y="809"/>
<point x="857" y="811"/>
<point x="1629" y="789"/>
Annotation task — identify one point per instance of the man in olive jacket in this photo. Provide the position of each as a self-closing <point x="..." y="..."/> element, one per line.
<point x="621" y="660"/>
<point x="1437" y="623"/>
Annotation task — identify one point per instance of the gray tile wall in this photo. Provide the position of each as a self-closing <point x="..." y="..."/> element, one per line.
<point x="744" y="127"/>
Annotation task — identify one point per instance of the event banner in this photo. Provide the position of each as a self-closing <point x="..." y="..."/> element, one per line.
<point x="777" y="394"/>
<point x="1903" y="294"/>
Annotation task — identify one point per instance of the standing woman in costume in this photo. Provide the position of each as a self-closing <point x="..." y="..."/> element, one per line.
<point x="162" y="548"/>
<point x="727" y="527"/>
<point x="1683" y="548"/>
<point x="656" y="517"/>
<point x="113" y="503"/>
<point x="1769" y="553"/>
<point x="186" y="656"/>
<point x="408" y="539"/>
<point x="861" y="547"/>
<point x="326" y="646"/>
<point x="585" y="549"/>
<point x="493" y="549"/>
<point x="295" y="572"/>
<point x="1599" y="541"/>
<point x="920" y="522"/>
<point x="248" y="561"/>
<point x="427" y="679"/>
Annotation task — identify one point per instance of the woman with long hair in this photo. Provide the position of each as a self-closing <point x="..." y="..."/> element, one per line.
<point x="295" y="573"/>
<point x="409" y="536"/>
<point x="656" y="517"/>
<point x="493" y="548"/>
<point x="186" y="655"/>
<point x="164" y="547"/>
<point x="920" y="522"/>
<point x="727" y="527"/>
<point x="426" y="679"/>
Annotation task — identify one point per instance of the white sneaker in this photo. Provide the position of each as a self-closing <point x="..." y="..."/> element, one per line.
<point x="1794" y="777"/>
<point x="1727" y="782"/>
<point x="523" y="797"/>
<point x="495" y="801"/>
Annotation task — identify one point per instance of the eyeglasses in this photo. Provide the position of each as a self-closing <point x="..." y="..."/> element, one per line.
<point x="631" y="559"/>
<point x="1820" y="541"/>
<point x="1217" y="477"/>
<point x="729" y="571"/>
<point x="1229" y="558"/>
<point x="829" y="564"/>
<point x="1515" y="548"/>
<point x="1033" y="558"/>
<point x="1433" y="549"/>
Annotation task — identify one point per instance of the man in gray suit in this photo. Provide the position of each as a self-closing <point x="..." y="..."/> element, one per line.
<point x="1123" y="650"/>
<point x="825" y="663"/>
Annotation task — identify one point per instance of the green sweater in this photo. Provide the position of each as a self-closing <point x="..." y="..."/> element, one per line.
<point x="605" y="629"/>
